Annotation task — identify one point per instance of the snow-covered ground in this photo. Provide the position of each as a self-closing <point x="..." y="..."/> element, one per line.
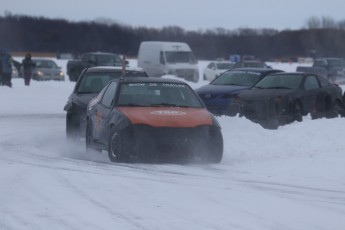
<point x="286" y="179"/>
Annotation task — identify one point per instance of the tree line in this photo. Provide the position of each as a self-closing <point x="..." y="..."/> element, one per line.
<point x="321" y="37"/>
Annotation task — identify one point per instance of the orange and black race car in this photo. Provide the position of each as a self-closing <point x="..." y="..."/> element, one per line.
<point x="145" y="119"/>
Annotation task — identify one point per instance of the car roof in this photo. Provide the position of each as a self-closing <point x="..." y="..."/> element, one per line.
<point x="295" y="73"/>
<point x="149" y="79"/>
<point x="113" y="69"/>
<point x="329" y="58"/>
<point x="222" y="61"/>
<point x="104" y="53"/>
<point x="258" y="70"/>
<point x="42" y="59"/>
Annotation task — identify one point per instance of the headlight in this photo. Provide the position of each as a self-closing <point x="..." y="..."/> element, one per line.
<point x="40" y="73"/>
<point x="61" y="74"/>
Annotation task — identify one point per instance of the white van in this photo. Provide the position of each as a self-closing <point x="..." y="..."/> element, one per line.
<point x="160" y="58"/>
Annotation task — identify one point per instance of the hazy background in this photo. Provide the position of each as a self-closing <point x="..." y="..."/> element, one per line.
<point x="190" y="14"/>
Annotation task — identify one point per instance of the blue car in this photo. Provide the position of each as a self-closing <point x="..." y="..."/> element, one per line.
<point x="220" y="95"/>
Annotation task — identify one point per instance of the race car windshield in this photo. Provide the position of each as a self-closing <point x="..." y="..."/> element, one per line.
<point x="94" y="82"/>
<point x="157" y="95"/>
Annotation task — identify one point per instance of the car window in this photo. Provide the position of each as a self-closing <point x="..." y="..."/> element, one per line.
<point x="255" y="64"/>
<point x="281" y="81"/>
<point x="157" y="94"/>
<point x="311" y="83"/>
<point x="108" y="59"/>
<point x="42" y="64"/>
<point x="109" y="94"/>
<point x="86" y="57"/>
<point x="240" y="78"/>
<point x="179" y="57"/>
<point x="94" y="82"/>
<point x="53" y="65"/>
<point x="224" y="65"/>
<point x="324" y="82"/>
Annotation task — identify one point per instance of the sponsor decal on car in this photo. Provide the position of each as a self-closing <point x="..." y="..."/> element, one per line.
<point x="168" y="112"/>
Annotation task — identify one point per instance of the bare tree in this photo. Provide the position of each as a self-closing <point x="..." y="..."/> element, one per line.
<point x="313" y="23"/>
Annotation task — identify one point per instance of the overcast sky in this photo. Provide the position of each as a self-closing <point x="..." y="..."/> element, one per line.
<point x="188" y="14"/>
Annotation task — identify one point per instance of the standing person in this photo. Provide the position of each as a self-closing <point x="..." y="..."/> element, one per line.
<point x="6" y="68"/>
<point x="28" y="67"/>
<point x="0" y="67"/>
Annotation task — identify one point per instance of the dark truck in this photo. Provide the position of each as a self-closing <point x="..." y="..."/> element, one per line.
<point x="332" y="69"/>
<point x="75" y="67"/>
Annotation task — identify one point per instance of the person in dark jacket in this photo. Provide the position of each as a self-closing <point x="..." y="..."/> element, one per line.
<point x="28" y="68"/>
<point x="6" y="68"/>
<point x="0" y="68"/>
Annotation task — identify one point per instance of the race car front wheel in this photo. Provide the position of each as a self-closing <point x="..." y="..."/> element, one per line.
<point x="116" y="146"/>
<point x="215" y="142"/>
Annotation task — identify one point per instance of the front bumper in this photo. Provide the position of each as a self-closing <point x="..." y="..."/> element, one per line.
<point x="146" y="142"/>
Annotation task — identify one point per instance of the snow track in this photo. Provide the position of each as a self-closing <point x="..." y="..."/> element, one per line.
<point x="286" y="179"/>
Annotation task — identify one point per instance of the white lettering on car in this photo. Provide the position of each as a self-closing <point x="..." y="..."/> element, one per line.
<point x="168" y="113"/>
<point x="136" y="84"/>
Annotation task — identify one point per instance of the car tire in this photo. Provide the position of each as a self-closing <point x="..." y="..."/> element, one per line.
<point x="89" y="139"/>
<point x="72" y="129"/>
<point x="215" y="146"/>
<point x="271" y="124"/>
<point x="335" y="110"/>
<point x="116" y="146"/>
<point x="271" y="121"/>
<point x="298" y="111"/>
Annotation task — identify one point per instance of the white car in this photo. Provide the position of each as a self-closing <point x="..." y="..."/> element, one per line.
<point x="215" y="68"/>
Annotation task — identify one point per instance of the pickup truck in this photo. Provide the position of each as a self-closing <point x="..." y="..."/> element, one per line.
<point x="332" y="69"/>
<point x="75" y="67"/>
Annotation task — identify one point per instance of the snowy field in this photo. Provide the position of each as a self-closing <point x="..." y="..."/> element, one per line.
<point x="292" y="178"/>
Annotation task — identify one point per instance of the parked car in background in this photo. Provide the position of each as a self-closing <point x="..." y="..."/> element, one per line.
<point x="90" y="83"/>
<point x="46" y="69"/>
<point x="332" y="69"/>
<point x="149" y="119"/>
<point x="75" y="67"/>
<point x="158" y="58"/>
<point x="215" y="68"/>
<point x="251" y="64"/>
<point x="220" y="95"/>
<point x="282" y="98"/>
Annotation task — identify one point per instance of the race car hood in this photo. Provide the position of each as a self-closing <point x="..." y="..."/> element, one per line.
<point x="176" y="117"/>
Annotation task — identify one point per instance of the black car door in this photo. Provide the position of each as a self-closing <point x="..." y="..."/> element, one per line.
<point x="311" y="90"/>
<point x="102" y="112"/>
